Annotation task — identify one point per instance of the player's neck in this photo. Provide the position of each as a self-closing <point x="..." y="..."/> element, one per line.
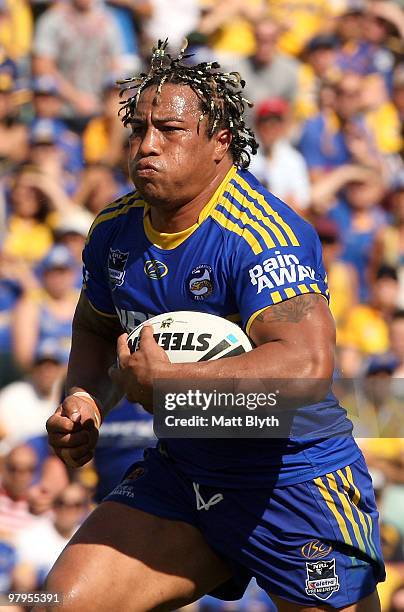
<point x="173" y="220"/>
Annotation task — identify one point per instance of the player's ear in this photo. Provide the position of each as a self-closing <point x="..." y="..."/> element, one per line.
<point x="223" y="140"/>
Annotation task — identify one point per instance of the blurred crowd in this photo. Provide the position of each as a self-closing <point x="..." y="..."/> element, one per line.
<point x="327" y="81"/>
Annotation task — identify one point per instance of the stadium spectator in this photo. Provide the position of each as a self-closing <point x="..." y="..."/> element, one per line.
<point x="100" y="184"/>
<point x="46" y="315"/>
<point x="16" y="28"/>
<point x="105" y="135"/>
<point x="49" y="157"/>
<point x="34" y="559"/>
<point x="366" y="330"/>
<point x="342" y="276"/>
<point x="174" y="20"/>
<point x="267" y="72"/>
<point x="47" y="104"/>
<point x="339" y="136"/>
<point x="352" y="196"/>
<point x="228" y="26"/>
<point x="28" y="236"/>
<point x="71" y="231"/>
<point x="284" y="169"/>
<point x="80" y="68"/>
<point x="26" y="404"/>
<point x="15" y="279"/>
<point x="18" y="472"/>
<point x="129" y="16"/>
<point x="317" y="67"/>
<point x="301" y="20"/>
<point x="13" y="133"/>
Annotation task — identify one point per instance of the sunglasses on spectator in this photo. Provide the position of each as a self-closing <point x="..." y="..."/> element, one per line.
<point x="61" y="503"/>
<point x="14" y="468"/>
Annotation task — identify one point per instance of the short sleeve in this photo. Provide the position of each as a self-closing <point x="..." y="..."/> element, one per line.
<point x="95" y="282"/>
<point x="47" y="35"/>
<point x="278" y="274"/>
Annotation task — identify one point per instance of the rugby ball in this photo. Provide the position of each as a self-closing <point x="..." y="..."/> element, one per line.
<point x="188" y="336"/>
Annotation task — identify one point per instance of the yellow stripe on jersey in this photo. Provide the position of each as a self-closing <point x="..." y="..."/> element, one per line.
<point x="125" y="199"/>
<point x="252" y="319"/>
<point x="354" y="502"/>
<point x="303" y="288"/>
<point x="290" y="292"/>
<point x="348" y="511"/>
<point x="137" y="203"/>
<point x="268" y="208"/>
<point x="276" y="297"/>
<point x="269" y="225"/>
<point x="243" y="232"/>
<point x="315" y="288"/>
<point x="322" y="487"/>
<point x="355" y="499"/>
<point x="246" y="220"/>
<point x="104" y="314"/>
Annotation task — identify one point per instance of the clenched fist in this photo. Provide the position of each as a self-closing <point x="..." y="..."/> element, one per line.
<point x="73" y="429"/>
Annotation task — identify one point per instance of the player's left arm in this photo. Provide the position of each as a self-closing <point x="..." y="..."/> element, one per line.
<point x="294" y="341"/>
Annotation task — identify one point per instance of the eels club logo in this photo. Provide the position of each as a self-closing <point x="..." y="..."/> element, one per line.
<point x="200" y="282"/>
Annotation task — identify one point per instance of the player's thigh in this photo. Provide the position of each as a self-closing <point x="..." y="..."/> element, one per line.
<point x="125" y="559"/>
<point x="370" y="603"/>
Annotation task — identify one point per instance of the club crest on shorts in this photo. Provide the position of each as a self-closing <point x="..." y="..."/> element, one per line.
<point x="117" y="261"/>
<point x="322" y="580"/>
<point x="200" y="282"/>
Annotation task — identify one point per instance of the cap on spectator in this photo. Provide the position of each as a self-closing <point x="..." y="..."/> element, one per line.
<point x="380" y="363"/>
<point x="322" y="41"/>
<point x="354" y="7"/>
<point x="48" y="350"/>
<point x="59" y="256"/>
<point x="44" y="132"/>
<point x="272" y="107"/>
<point x="327" y="230"/>
<point x="45" y="85"/>
<point x="76" y="223"/>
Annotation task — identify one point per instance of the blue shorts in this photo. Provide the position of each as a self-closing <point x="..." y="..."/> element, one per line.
<point x="317" y="540"/>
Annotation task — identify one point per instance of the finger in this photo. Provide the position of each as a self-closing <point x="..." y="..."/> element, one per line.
<point x="71" y="408"/>
<point x="122" y="350"/>
<point x="60" y="424"/>
<point x="146" y="337"/>
<point x="57" y="440"/>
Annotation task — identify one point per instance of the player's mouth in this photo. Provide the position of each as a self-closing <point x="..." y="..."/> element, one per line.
<point x="145" y="168"/>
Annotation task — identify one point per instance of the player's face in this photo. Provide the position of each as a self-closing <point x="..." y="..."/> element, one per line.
<point x="171" y="157"/>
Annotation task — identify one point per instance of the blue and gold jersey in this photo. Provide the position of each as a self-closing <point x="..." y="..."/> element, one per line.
<point x="247" y="251"/>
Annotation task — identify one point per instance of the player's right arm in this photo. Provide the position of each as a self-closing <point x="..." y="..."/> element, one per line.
<point x="73" y="429"/>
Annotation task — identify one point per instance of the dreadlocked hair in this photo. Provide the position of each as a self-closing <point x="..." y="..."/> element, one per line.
<point x="219" y="93"/>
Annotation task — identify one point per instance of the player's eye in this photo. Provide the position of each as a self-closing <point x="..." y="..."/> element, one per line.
<point x="170" y="128"/>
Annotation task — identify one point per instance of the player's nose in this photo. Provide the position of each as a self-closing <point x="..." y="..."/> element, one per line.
<point x="150" y="143"/>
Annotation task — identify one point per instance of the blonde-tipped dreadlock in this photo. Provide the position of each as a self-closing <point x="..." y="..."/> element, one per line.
<point x="220" y="95"/>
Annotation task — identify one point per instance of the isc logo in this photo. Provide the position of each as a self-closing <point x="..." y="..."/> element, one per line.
<point x="177" y="341"/>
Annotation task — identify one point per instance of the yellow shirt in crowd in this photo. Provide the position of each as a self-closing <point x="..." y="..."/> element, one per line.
<point x="366" y="330"/>
<point x="16" y="28"/>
